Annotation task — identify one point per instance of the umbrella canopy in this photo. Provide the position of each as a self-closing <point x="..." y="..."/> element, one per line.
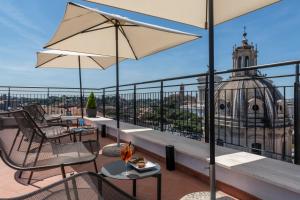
<point x="193" y="12"/>
<point x="70" y="60"/>
<point x="88" y="30"/>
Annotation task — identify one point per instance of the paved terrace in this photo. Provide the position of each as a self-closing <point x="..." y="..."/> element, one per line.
<point x="175" y="184"/>
<point x="241" y="174"/>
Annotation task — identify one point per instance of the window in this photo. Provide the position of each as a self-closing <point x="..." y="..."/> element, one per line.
<point x="246" y="64"/>
<point x="239" y="62"/>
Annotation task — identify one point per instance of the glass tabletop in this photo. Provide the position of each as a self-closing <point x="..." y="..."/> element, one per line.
<point x="117" y="170"/>
<point x="82" y="129"/>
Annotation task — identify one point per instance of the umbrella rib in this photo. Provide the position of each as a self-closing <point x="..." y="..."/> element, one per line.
<point x="96" y="62"/>
<point x="130" y="25"/>
<point x="206" y="15"/>
<point x="98" y="29"/>
<point x="47" y="46"/>
<point x="123" y="32"/>
<point x="61" y="55"/>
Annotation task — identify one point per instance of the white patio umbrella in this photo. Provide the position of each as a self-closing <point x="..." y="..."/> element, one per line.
<point x="89" y="30"/>
<point x="192" y="12"/>
<point x="71" y="60"/>
<point x="203" y="14"/>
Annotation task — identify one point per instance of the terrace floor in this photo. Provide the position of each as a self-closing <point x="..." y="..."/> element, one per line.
<point x="175" y="184"/>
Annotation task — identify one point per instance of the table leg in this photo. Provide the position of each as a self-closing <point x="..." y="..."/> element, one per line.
<point x="100" y="186"/>
<point x="97" y="132"/>
<point x="74" y="137"/>
<point x="158" y="176"/>
<point x="134" y="187"/>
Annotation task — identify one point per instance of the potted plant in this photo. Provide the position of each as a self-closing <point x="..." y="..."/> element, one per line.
<point x="91" y="107"/>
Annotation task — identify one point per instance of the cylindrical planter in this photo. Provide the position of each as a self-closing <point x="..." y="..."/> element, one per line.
<point x="103" y="130"/>
<point x="170" y="157"/>
<point x="91" y="112"/>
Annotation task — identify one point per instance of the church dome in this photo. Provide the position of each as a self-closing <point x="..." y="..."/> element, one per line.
<point x="252" y="101"/>
<point x="248" y="98"/>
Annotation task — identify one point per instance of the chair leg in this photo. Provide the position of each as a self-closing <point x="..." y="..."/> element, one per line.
<point x="20" y="175"/>
<point x="15" y="139"/>
<point x="97" y="134"/>
<point x="63" y="172"/>
<point x="20" y="142"/>
<point x="30" y="177"/>
<point x="95" y="165"/>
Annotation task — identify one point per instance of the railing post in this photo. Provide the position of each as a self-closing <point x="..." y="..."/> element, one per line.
<point x="83" y="97"/>
<point x="48" y="96"/>
<point x="296" y="118"/>
<point x="206" y="113"/>
<point x="8" y="99"/>
<point x="134" y="104"/>
<point x="103" y="102"/>
<point x="161" y="106"/>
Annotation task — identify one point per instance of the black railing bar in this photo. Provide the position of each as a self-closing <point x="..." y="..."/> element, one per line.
<point x="223" y="81"/>
<point x="278" y="87"/>
<point x="187" y="84"/>
<point x="43" y="87"/>
<point x="281" y="64"/>
<point x="35" y="91"/>
<point x="255" y="77"/>
<point x="203" y="83"/>
<point x="159" y="80"/>
<point x="152" y="87"/>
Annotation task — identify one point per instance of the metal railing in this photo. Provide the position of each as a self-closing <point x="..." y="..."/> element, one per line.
<point x="55" y="100"/>
<point x="263" y="124"/>
<point x="252" y="113"/>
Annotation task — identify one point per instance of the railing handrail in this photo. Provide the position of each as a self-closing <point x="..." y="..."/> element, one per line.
<point x="264" y="66"/>
<point x="44" y="87"/>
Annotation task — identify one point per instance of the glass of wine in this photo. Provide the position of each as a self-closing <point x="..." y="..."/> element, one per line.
<point x="126" y="154"/>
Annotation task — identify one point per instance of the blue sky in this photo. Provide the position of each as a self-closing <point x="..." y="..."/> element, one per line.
<point x="28" y="24"/>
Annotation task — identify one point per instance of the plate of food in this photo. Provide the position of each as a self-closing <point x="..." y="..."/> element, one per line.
<point x="141" y="164"/>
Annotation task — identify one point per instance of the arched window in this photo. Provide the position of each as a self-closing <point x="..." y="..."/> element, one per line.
<point x="239" y="62"/>
<point x="246" y="64"/>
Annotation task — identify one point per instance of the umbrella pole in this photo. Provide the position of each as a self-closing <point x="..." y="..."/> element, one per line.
<point x="80" y="84"/>
<point x="117" y="83"/>
<point x="212" y="172"/>
<point x="114" y="149"/>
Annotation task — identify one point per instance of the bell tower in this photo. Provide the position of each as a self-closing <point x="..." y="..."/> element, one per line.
<point x="244" y="56"/>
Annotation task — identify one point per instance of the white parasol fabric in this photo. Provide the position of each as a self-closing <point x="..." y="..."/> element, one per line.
<point x="87" y="30"/>
<point x="193" y="12"/>
<point x="68" y="59"/>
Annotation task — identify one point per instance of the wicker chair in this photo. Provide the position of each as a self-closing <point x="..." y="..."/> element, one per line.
<point x="38" y="152"/>
<point x="85" y="185"/>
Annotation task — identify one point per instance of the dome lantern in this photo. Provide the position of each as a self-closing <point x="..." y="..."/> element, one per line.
<point x="244" y="56"/>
